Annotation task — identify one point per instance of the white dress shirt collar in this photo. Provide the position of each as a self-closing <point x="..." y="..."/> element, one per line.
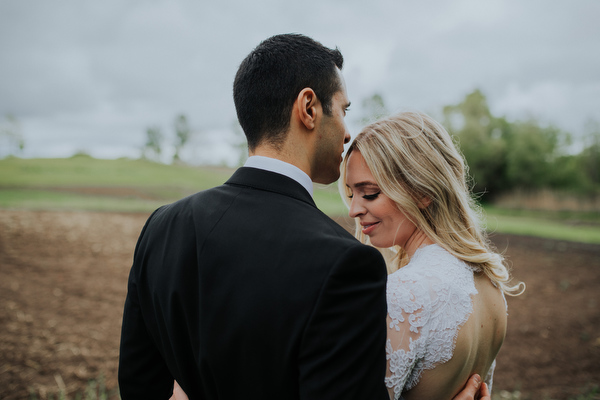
<point x="283" y="168"/>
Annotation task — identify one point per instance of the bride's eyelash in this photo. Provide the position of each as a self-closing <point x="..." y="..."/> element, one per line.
<point x="371" y="196"/>
<point x="367" y="196"/>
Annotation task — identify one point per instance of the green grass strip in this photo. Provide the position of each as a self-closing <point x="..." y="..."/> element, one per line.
<point x="125" y="185"/>
<point x="551" y="229"/>
<point x="31" y="199"/>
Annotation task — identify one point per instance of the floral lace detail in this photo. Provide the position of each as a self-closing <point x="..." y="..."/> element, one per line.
<point x="428" y="301"/>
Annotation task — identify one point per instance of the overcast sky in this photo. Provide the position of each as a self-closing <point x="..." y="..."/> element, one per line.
<point x="91" y="76"/>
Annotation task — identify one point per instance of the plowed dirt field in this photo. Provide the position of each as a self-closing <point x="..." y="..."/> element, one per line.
<point x="63" y="278"/>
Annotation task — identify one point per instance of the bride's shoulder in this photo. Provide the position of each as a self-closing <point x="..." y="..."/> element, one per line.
<point x="432" y="274"/>
<point x="426" y="263"/>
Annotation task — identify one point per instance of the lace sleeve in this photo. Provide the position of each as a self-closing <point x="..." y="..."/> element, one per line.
<point x="407" y="302"/>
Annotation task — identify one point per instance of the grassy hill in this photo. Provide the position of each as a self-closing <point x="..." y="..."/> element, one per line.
<point x="124" y="185"/>
<point x="85" y="183"/>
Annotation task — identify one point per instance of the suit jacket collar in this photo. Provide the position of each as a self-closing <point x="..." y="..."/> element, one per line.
<point x="270" y="181"/>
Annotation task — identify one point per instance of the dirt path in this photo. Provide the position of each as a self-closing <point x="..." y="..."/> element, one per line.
<point x="63" y="284"/>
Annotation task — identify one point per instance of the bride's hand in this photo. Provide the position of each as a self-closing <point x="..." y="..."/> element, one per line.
<point x="178" y="393"/>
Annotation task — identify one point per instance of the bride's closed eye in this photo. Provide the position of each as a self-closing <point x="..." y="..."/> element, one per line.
<point x="367" y="196"/>
<point x="371" y="196"/>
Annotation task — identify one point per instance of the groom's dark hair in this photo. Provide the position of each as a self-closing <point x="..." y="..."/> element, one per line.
<point x="271" y="77"/>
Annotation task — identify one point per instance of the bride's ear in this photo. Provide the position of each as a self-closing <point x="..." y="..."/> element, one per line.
<point x="424" y="202"/>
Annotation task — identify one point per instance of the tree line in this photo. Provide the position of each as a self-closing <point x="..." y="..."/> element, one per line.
<point x="155" y="137"/>
<point x="503" y="156"/>
<point x="181" y="137"/>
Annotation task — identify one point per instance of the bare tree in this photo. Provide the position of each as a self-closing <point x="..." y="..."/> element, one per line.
<point x="153" y="147"/>
<point x="182" y="136"/>
<point x="11" y="134"/>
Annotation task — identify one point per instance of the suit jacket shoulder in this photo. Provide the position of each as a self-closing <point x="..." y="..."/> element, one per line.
<point x="256" y="274"/>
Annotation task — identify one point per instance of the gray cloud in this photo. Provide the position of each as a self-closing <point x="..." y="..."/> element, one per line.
<point x="92" y="76"/>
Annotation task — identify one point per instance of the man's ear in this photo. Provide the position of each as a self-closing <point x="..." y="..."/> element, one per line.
<point x="307" y="107"/>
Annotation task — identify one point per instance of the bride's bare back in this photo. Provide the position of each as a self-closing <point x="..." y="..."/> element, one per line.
<point x="432" y="301"/>
<point x="477" y="345"/>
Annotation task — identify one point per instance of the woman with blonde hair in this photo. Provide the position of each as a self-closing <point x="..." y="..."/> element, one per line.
<point x="406" y="185"/>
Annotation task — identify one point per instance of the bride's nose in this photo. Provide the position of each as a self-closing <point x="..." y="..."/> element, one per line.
<point x="356" y="208"/>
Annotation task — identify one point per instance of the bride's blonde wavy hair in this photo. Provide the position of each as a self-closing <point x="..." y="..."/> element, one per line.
<point x="411" y="156"/>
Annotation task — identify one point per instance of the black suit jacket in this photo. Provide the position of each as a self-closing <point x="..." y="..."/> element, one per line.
<point x="248" y="291"/>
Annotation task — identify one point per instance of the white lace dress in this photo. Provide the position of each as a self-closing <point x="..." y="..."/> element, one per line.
<point x="433" y="293"/>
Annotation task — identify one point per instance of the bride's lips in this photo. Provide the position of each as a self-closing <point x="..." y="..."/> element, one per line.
<point x="367" y="227"/>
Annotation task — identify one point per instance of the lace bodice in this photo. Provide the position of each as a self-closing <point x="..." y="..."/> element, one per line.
<point x="429" y="299"/>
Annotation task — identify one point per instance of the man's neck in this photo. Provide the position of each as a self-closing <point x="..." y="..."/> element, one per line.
<point x="294" y="158"/>
<point x="281" y="167"/>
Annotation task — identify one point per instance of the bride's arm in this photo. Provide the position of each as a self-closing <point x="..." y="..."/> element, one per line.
<point x="405" y="345"/>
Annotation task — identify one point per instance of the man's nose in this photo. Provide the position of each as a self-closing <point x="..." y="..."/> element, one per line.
<point x="347" y="137"/>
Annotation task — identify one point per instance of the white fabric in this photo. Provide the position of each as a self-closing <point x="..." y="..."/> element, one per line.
<point x="429" y="299"/>
<point x="281" y="167"/>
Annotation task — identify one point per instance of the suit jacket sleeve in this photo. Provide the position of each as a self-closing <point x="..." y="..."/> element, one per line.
<point x="343" y="348"/>
<point x="143" y="372"/>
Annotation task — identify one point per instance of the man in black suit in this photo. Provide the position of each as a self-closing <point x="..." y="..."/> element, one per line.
<point x="247" y="290"/>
